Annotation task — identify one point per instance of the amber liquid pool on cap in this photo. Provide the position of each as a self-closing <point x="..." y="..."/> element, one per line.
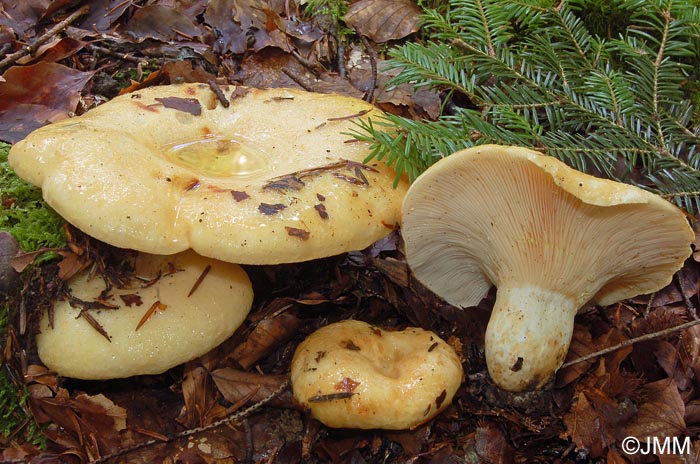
<point x="218" y="156"/>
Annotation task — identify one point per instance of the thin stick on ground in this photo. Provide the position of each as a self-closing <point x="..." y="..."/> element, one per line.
<point x="36" y="43"/>
<point x="632" y="341"/>
<point x="236" y="417"/>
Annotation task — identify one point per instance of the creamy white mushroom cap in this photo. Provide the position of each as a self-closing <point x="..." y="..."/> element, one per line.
<point x="181" y="326"/>
<point x="550" y="238"/>
<point x="274" y="177"/>
<point x="351" y="374"/>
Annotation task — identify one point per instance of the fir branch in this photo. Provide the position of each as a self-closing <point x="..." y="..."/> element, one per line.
<point x="536" y="76"/>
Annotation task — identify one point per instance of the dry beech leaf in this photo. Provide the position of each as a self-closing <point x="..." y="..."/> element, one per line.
<point x="267" y="335"/>
<point x="89" y="420"/>
<point x="384" y="20"/>
<point x="195" y="392"/>
<point x="35" y="95"/>
<point x="54" y="51"/>
<point x="231" y="34"/>
<point x="236" y="385"/>
<point x="662" y="414"/>
<point x="587" y="426"/>
<point x="491" y="445"/>
<point x="161" y="23"/>
<point x="102" y="15"/>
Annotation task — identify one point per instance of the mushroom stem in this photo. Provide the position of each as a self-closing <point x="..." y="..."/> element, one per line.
<point x="528" y="335"/>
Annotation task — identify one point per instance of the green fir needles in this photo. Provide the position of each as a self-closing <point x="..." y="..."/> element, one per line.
<point x="524" y="73"/>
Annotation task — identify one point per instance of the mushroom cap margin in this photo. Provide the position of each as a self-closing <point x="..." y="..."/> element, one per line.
<point x="184" y="328"/>
<point x="120" y="173"/>
<point x="464" y="229"/>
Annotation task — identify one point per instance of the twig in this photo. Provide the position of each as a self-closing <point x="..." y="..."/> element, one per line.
<point x="114" y="54"/>
<point x="373" y="66"/>
<point x="342" y="70"/>
<point x="186" y="433"/>
<point x="688" y="304"/>
<point x="214" y="87"/>
<point x="36" y="43"/>
<point x="647" y="310"/>
<point x="632" y="341"/>
<point x="297" y="78"/>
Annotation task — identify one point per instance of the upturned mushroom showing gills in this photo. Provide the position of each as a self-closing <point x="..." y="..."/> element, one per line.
<point x="243" y="175"/>
<point x="551" y="239"/>
<point x="171" y="310"/>
<point x="351" y="374"/>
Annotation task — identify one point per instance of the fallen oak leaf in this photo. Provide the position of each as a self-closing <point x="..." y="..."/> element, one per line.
<point x="384" y="20"/>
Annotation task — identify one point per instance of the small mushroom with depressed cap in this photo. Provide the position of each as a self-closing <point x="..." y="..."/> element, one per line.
<point x="244" y="175"/>
<point x="171" y="310"/>
<point x="351" y="374"/>
<point x="550" y="238"/>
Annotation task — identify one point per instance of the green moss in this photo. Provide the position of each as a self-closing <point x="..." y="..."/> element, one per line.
<point x="24" y="214"/>
<point x="15" y="422"/>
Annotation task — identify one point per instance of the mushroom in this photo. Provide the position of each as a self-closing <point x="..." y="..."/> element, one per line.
<point x="173" y="309"/>
<point x="243" y="175"/>
<point x="351" y="374"/>
<point x="551" y="239"/>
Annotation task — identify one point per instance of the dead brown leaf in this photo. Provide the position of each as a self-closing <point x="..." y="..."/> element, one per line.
<point x="267" y="335"/>
<point x="582" y="343"/>
<point x="161" y="23"/>
<point x="586" y="426"/>
<point x="21" y="17"/>
<point x="102" y="15"/>
<point x="54" y="51"/>
<point x="689" y="350"/>
<point x="384" y="20"/>
<point x="661" y="415"/>
<point x="94" y="421"/>
<point x="198" y="396"/>
<point x="491" y="444"/>
<point x="236" y="385"/>
<point x="35" y="95"/>
<point x="229" y="35"/>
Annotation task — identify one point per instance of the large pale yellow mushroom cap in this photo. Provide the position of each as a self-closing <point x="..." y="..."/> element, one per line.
<point x="274" y="177"/>
<point x="175" y="309"/>
<point x="351" y="374"/>
<point x="550" y="238"/>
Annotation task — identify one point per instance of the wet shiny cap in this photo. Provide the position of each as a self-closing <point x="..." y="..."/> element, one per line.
<point x="249" y="176"/>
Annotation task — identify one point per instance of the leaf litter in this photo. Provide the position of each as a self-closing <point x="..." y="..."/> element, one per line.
<point x="639" y="376"/>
